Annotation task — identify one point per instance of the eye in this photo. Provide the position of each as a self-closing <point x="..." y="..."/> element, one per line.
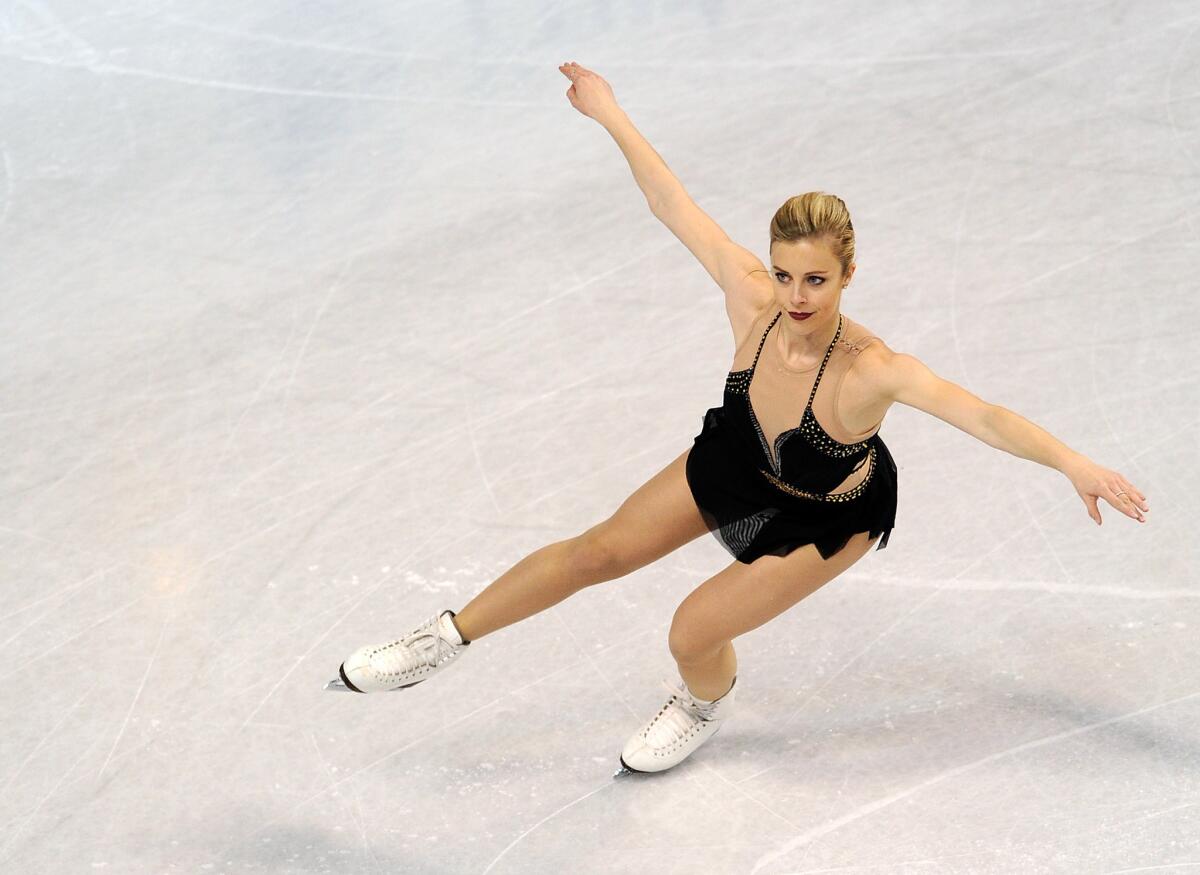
<point x="780" y="276"/>
<point x="821" y="278"/>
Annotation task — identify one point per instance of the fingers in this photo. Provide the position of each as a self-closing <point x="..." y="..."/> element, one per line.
<point x="1134" y="491"/>
<point x="1119" y="498"/>
<point x="1133" y="498"/>
<point x="1114" y="488"/>
<point x="571" y="70"/>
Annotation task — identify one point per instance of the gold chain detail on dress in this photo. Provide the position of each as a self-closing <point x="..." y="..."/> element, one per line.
<point x="836" y="496"/>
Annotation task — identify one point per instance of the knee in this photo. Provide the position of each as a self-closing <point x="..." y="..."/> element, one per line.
<point x="688" y="641"/>
<point x="593" y="558"/>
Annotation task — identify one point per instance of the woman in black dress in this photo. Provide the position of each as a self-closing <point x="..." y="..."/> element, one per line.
<point x="789" y="474"/>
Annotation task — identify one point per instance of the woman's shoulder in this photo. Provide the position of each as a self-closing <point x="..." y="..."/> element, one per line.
<point x="752" y="333"/>
<point x="857" y="337"/>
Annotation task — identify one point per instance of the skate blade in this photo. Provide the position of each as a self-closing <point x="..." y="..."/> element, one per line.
<point x="338" y="685"/>
<point x="626" y="770"/>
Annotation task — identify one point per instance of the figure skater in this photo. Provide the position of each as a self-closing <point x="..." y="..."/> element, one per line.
<point x="794" y="504"/>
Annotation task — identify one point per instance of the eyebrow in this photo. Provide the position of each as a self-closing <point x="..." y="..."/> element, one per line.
<point x="789" y="273"/>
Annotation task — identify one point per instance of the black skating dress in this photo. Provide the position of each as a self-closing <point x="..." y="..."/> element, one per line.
<point x="755" y="502"/>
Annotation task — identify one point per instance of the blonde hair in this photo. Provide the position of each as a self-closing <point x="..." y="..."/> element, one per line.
<point x="816" y="215"/>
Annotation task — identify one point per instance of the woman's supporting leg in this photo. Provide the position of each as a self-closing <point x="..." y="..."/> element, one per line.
<point x="741" y="598"/>
<point x="710" y="677"/>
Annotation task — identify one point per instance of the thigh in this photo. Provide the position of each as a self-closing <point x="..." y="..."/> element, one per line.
<point x="743" y="597"/>
<point x="659" y="517"/>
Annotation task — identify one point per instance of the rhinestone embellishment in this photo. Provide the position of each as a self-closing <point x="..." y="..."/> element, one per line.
<point x="738" y="383"/>
<point x="849" y="495"/>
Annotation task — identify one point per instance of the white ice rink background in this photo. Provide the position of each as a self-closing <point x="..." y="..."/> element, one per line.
<point x="315" y="318"/>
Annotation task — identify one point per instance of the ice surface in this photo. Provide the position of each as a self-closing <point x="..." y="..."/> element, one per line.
<point x="316" y="318"/>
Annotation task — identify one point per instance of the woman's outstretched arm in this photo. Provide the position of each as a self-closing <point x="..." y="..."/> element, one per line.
<point x="907" y="380"/>
<point x="726" y="262"/>
<point x="593" y="96"/>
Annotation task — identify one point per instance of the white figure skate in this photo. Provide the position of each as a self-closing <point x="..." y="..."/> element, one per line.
<point x="681" y="726"/>
<point x="404" y="663"/>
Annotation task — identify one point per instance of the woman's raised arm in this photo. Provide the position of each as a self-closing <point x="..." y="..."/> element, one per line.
<point x="726" y="262"/>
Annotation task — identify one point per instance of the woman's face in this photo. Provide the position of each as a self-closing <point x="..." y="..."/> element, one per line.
<point x="807" y="279"/>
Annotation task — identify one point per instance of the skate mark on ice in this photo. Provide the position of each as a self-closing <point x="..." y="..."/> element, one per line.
<point x="12" y="839"/>
<point x="871" y="807"/>
<point x="51" y="734"/>
<point x="441" y="730"/>
<point x="351" y="805"/>
<point x="153" y="656"/>
<point x="607" y="783"/>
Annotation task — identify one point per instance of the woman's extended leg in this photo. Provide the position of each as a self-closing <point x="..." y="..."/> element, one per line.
<point x="658" y="518"/>
<point x="743" y="597"/>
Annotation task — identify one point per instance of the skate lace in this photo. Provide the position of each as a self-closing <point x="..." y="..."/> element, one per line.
<point x="426" y="646"/>
<point x="678" y="717"/>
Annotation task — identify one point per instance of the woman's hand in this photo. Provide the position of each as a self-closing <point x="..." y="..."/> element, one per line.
<point x="1092" y="482"/>
<point x="589" y="93"/>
